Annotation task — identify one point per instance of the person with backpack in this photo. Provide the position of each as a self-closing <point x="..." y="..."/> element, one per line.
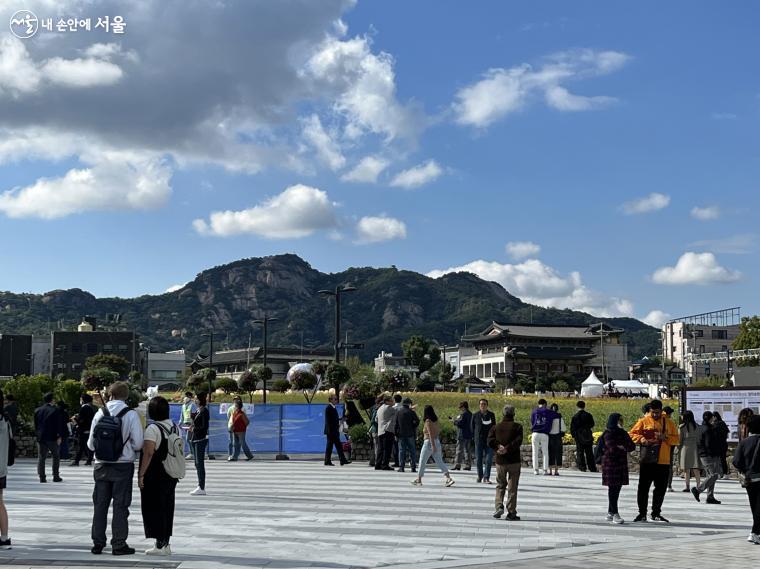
<point x="581" y="429"/>
<point x="238" y="425"/>
<point x="115" y="436"/>
<point x="83" y="421"/>
<point x="614" y="446"/>
<point x="48" y="427"/>
<point x="157" y="485"/>
<point x="6" y="436"/>
<point x="199" y="442"/>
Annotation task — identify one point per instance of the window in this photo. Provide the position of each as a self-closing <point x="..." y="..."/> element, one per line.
<point x="573" y="368"/>
<point x="558" y="368"/>
<point x="107" y="348"/>
<point x="61" y="348"/>
<point x="92" y="348"/>
<point x="488" y="372"/>
<point x="540" y="367"/>
<point x="166" y="374"/>
<point x="699" y="333"/>
<point x="76" y="348"/>
<point x="701" y="348"/>
<point x="122" y="348"/>
<point x="76" y="366"/>
<point x="523" y="366"/>
<point x="719" y="334"/>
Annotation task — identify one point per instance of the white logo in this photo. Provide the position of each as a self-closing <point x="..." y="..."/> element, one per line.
<point x="24" y="24"/>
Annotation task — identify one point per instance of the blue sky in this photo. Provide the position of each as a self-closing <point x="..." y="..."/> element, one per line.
<point x="594" y="156"/>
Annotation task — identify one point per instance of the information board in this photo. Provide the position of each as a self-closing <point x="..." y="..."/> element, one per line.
<point x="727" y="402"/>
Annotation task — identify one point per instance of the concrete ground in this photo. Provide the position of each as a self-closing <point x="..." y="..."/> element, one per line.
<point x="297" y="513"/>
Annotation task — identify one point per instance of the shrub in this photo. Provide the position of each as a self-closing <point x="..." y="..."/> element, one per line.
<point x="337" y="375"/>
<point x="112" y="362"/>
<point x="304" y="381"/>
<point x="359" y="434"/>
<point x="247" y="384"/>
<point x="280" y="385"/>
<point x="399" y="381"/>
<point x="28" y="391"/>
<point x="97" y="379"/>
<point x="226" y="384"/>
<point x="198" y="382"/>
<point x="560" y="385"/>
<point x="69" y="391"/>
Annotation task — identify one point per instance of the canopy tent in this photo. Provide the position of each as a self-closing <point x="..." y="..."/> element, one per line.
<point x="592" y="387"/>
<point x="632" y="385"/>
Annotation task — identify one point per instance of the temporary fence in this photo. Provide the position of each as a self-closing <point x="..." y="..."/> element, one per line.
<point x="282" y="429"/>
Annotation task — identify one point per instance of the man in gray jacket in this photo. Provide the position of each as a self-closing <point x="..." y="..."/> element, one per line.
<point x="385" y="420"/>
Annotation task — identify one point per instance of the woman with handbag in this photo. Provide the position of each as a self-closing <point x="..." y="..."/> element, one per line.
<point x="239" y="422"/>
<point x="6" y="453"/>
<point x="617" y="445"/>
<point x="747" y="463"/>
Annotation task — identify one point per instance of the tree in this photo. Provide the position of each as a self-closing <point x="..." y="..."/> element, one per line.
<point x="69" y="391"/>
<point x="111" y="362"/>
<point x="28" y="391"/>
<point x="336" y="375"/>
<point x="420" y="353"/>
<point x="280" y="385"/>
<point x="747" y="339"/>
<point x="306" y="382"/>
<point x="227" y="385"/>
<point x="247" y="383"/>
<point x="443" y="373"/>
<point x="354" y="364"/>
<point x="561" y="385"/>
<point x="98" y="379"/>
<point x="199" y="382"/>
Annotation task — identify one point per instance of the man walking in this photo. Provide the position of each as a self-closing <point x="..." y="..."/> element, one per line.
<point x="463" y="423"/>
<point x="506" y="438"/>
<point x="482" y="422"/>
<point x="407" y="422"/>
<point x="332" y="432"/>
<point x="710" y="449"/>
<point x="83" y="421"/>
<point x="385" y="417"/>
<point x="656" y="434"/>
<point x="115" y="444"/>
<point x="540" y="425"/>
<point x="582" y="430"/>
<point x="47" y="426"/>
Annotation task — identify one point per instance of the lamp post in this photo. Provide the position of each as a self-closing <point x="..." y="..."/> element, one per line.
<point x="210" y="337"/>
<point x="264" y="321"/>
<point x="336" y="293"/>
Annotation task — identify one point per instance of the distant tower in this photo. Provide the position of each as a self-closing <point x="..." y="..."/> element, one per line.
<point x="85" y="327"/>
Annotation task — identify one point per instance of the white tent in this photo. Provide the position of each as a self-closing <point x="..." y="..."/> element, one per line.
<point x="591" y="387"/>
<point x="632" y="385"/>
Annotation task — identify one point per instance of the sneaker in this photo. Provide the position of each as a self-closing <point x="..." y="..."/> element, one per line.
<point x="43" y="480"/>
<point x="230" y="459"/>
<point x="513" y="517"/>
<point x="535" y="471"/>
<point x="188" y="456"/>
<point x="695" y="493"/>
<point x="401" y="470"/>
<point x="57" y="479"/>
<point x="547" y="473"/>
<point x="616" y="519"/>
<point x="712" y="500"/>
<point x="487" y="481"/>
<point x="480" y="480"/>
<point x="498" y="513"/>
<point x="457" y="467"/>
<point x="156" y="551"/>
<point x="609" y="517"/>
<point x="686" y="490"/>
<point x="659" y="518"/>
<point x="97" y="549"/>
<point x="198" y="492"/>
<point x="123" y="550"/>
<point x="249" y="458"/>
<point x="5" y="543"/>
<point x="414" y="469"/>
<point x="449" y="482"/>
<point x="753" y="538"/>
<point x="641" y="518"/>
<point x="416" y="482"/>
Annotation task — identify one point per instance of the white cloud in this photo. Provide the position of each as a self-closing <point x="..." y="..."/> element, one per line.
<point x="299" y="211"/>
<point x="521" y="249"/>
<point x="367" y="170"/>
<point x="705" y="213"/>
<point x="741" y="244"/>
<point x="323" y="142"/>
<point x="504" y="91"/>
<point x="652" y="202"/>
<point x="81" y="73"/>
<point x="695" y="268"/>
<point x="381" y="228"/>
<point x="418" y="175"/>
<point x="656" y="318"/>
<point x="537" y="283"/>
<point x="175" y="288"/>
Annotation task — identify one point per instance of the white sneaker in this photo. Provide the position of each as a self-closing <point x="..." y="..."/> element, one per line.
<point x="535" y="471"/>
<point x="754" y="538"/>
<point x="198" y="492"/>
<point x="156" y="551"/>
<point x="616" y="519"/>
<point x="188" y="456"/>
<point x="609" y="517"/>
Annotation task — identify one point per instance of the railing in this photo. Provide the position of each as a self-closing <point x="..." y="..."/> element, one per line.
<point x="713" y="357"/>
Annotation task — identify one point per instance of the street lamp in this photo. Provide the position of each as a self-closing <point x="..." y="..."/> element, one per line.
<point x="264" y="321"/>
<point x="210" y="336"/>
<point x="336" y="293"/>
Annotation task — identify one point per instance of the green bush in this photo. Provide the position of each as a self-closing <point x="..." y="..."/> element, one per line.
<point x="28" y="391"/>
<point x="247" y="383"/>
<point x="98" y="379"/>
<point x="280" y="385"/>
<point x="359" y="434"/>
<point x="69" y="391"/>
<point x="226" y="384"/>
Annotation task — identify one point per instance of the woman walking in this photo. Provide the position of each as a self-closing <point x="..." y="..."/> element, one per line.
<point x="239" y="422"/>
<point x="688" y="452"/>
<point x="747" y="461"/>
<point x="199" y="441"/>
<point x="156" y="486"/>
<point x="555" y="440"/>
<point x="6" y="433"/>
<point x="743" y="422"/>
<point x="617" y="445"/>
<point x="723" y="433"/>
<point x="431" y="445"/>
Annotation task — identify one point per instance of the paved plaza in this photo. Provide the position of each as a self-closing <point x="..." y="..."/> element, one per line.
<point x="299" y="513"/>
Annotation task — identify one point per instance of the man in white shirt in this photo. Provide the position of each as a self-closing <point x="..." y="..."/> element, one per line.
<point x="113" y="479"/>
<point x="385" y="419"/>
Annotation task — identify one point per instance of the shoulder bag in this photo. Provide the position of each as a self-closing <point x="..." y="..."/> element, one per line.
<point x="650" y="454"/>
<point x="745" y="478"/>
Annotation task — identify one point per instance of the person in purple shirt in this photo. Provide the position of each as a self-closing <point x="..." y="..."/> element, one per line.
<point x="540" y="424"/>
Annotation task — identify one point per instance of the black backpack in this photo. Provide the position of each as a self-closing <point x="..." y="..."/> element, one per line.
<point x="599" y="449"/>
<point x="107" y="436"/>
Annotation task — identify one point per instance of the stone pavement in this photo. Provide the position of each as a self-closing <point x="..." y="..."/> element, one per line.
<point x="298" y="513"/>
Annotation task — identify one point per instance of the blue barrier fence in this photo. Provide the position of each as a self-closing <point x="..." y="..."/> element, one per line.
<point x="288" y="429"/>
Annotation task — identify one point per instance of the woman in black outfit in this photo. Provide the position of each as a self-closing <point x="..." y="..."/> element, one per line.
<point x="156" y="486"/>
<point x="199" y="440"/>
<point x="747" y="461"/>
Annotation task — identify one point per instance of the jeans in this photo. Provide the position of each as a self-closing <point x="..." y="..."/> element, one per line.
<point x="464" y="449"/>
<point x="113" y="483"/>
<point x="238" y="443"/>
<point x="199" y="452"/>
<point x="427" y="452"/>
<point x="753" y="493"/>
<point x="540" y="442"/>
<point x="407" y="445"/>
<point x="713" y="470"/>
<point x="507" y="479"/>
<point x="42" y="449"/>
<point x="231" y="443"/>
<point x="613" y="493"/>
<point x="185" y="434"/>
<point x="649" y="474"/>
<point x="483" y="452"/>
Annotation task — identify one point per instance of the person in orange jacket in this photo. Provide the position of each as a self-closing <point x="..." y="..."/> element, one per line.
<point x="654" y="430"/>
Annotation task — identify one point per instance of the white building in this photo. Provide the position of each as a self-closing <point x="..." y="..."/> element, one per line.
<point x="166" y="370"/>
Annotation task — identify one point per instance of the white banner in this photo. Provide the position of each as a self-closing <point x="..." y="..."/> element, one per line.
<point x="727" y="402"/>
<point x="247" y="407"/>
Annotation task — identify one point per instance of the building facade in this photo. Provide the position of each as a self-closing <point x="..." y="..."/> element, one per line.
<point x="15" y="355"/>
<point x="232" y="363"/>
<point x="165" y="370"/>
<point x="69" y="350"/>
<point x="387" y="362"/>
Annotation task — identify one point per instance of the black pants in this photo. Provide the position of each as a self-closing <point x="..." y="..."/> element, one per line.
<point x="386" y="448"/>
<point x="724" y="462"/>
<point x="394" y="451"/>
<point x="753" y="493"/>
<point x="334" y="441"/>
<point x="613" y="493"/>
<point x="83" y="450"/>
<point x="157" y="503"/>
<point x="585" y="455"/>
<point x="656" y="474"/>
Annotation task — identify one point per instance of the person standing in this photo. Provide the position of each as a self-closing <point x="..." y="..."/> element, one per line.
<point x="199" y="442"/>
<point x="239" y="426"/>
<point x="617" y="445"/>
<point x="113" y="478"/>
<point x="668" y="411"/>
<point x="47" y="426"/>
<point x="332" y="432"/>
<point x="65" y="419"/>
<point x="688" y="454"/>
<point x="463" y="423"/>
<point x="556" y="434"/>
<point x="83" y="421"/>
<point x="747" y="461"/>
<point x="431" y="446"/>
<point x="656" y="434"/>
<point x="374" y="457"/>
<point x="723" y="433"/>
<point x="482" y="422"/>
<point x="6" y="434"/>
<point x="505" y="439"/>
<point x="582" y="430"/>
<point x="186" y="421"/>
<point x="11" y="413"/>
<point x="157" y="488"/>
<point x="385" y="416"/>
<point x="540" y="425"/>
<point x="407" y="422"/>
<point x="397" y="404"/>
<point x="709" y="447"/>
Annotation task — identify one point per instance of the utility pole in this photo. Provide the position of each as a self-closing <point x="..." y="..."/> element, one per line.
<point x="265" y="321"/>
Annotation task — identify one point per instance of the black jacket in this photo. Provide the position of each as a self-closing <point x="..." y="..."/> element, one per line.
<point x="746" y="460"/>
<point x="47" y="423"/>
<point x="464" y="424"/>
<point x="582" y="426"/>
<point x="332" y="421"/>
<point x="11" y="411"/>
<point x="406" y="422"/>
<point x="200" y="424"/>
<point x="510" y="435"/>
<point x="722" y="431"/>
<point x="480" y="430"/>
<point x="709" y="442"/>
<point x="84" y="418"/>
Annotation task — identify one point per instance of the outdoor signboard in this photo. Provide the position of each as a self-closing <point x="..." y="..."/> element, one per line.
<point x="728" y="402"/>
